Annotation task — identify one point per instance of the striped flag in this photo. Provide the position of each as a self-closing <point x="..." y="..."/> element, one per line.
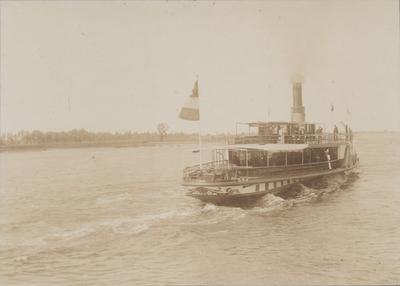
<point x="190" y="110"/>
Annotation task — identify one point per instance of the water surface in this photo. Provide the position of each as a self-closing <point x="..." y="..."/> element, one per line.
<point x="119" y="216"/>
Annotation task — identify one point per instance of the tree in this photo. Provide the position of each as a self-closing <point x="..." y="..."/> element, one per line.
<point x="162" y="130"/>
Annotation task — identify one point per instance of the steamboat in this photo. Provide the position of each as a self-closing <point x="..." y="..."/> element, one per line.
<point x="241" y="169"/>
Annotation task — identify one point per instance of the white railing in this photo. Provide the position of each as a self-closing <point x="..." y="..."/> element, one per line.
<point x="289" y="139"/>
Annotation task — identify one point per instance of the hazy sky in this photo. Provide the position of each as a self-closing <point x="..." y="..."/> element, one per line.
<point x="118" y="66"/>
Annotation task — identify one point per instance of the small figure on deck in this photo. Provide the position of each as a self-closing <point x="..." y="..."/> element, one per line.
<point x="346" y="128"/>
<point x="335" y="131"/>
<point x="236" y="159"/>
<point x="319" y="131"/>
<point x="302" y="133"/>
<point x="328" y="157"/>
<point x="269" y="134"/>
<point x="295" y="133"/>
<point x="282" y="134"/>
<point x="242" y="155"/>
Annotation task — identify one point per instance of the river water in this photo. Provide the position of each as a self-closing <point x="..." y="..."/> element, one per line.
<point x="112" y="216"/>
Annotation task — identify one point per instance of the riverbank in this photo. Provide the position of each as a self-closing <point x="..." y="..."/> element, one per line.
<point x="81" y="145"/>
<point x="391" y="136"/>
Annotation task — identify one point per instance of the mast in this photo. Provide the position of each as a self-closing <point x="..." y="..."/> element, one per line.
<point x="199" y="126"/>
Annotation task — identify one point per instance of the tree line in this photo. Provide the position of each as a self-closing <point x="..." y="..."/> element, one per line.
<point x="38" y="137"/>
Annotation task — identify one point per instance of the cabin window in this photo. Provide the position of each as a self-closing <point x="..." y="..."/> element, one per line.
<point x="277" y="158"/>
<point x="242" y="157"/>
<point x="315" y="156"/>
<point x="263" y="159"/>
<point x="263" y="130"/>
<point x="234" y="158"/>
<point x="322" y="154"/>
<point x="257" y="158"/>
<point x="294" y="157"/>
<point x="253" y="158"/>
<point x="307" y="156"/>
<point x="318" y="155"/>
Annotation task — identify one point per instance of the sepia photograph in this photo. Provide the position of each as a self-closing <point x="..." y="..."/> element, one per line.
<point x="200" y="142"/>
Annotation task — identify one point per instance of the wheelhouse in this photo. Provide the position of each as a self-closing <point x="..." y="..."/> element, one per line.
<point x="293" y="133"/>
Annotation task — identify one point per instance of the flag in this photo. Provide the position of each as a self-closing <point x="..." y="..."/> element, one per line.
<point x="190" y="110"/>
<point x="332" y="107"/>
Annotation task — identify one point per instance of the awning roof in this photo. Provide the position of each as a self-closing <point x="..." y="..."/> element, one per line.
<point x="265" y="147"/>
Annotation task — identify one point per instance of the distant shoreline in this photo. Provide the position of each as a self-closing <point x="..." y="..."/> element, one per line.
<point x="132" y="143"/>
<point x="84" y="145"/>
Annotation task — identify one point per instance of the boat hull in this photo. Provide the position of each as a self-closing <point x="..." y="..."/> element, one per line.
<point x="230" y="200"/>
<point x="236" y="199"/>
<point x="250" y="192"/>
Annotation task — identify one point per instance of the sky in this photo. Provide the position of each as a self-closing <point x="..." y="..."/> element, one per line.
<point x="129" y="65"/>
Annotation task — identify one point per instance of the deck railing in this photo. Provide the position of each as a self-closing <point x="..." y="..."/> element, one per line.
<point x="210" y="171"/>
<point x="209" y="166"/>
<point x="289" y="139"/>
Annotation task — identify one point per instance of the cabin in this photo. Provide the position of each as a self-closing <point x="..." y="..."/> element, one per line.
<point x="224" y="163"/>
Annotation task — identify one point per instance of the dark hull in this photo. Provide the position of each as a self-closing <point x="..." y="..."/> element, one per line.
<point x="229" y="200"/>
<point x="236" y="200"/>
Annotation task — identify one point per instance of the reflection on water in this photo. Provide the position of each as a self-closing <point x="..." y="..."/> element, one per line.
<point x="119" y="216"/>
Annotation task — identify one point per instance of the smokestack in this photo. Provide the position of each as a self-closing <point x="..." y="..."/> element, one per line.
<point x="298" y="111"/>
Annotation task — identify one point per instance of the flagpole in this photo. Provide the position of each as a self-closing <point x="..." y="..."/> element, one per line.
<point x="200" y="141"/>
<point x="347" y="122"/>
<point x="191" y="111"/>
<point x="331" y="115"/>
<point x="199" y="122"/>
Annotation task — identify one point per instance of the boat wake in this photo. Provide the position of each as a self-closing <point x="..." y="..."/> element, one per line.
<point x="270" y="203"/>
<point x="199" y="213"/>
<point x="316" y="190"/>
